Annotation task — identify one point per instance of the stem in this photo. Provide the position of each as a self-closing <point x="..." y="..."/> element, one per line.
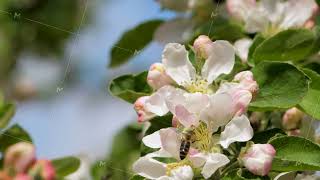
<point x="231" y="166"/>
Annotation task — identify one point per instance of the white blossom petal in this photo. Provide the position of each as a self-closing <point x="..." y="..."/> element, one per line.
<point x="242" y="48"/>
<point x="186" y="118"/>
<point x="170" y="141"/>
<point x="240" y="9"/>
<point x="257" y="21"/>
<point x="182" y="173"/>
<point x="176" y="30"/>
<point x="220" y="61"/>
<point x="237" y="130"/>
<point x="176" y="62"/>
<point x="153" y="140"/>
<point x="150" y="168"/>
<point x="294" y="19"/>
<point x="219" y="112"/>
<point x="156" y="102"/>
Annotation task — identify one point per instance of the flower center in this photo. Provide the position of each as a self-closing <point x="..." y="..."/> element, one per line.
<point x="203" y="138"/>
<point x="175" y="165"/>
<point x="199" y="85"/>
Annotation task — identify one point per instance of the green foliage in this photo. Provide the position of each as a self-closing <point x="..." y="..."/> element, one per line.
<point x="242" y="174"/>
<point x="289" y="45"/>
<point x="295" y="154"/>
<point x="6" y="113"/>
<point x="12" y="136"/>
<point x="65" y="166"/>
<point x="132" y="42"/>
<point x="130" y="87"/>
<point x="125" y="151"/>
<point x="281" y="85"/>
<point x="221" y="29"/>
<point x="310" y="103"/>
<point x="264" y="136"/>
<point x="258" y="39"/>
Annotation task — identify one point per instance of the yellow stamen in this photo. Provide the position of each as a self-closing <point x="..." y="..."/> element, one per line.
<point x="199" y="85"/>
<point x="203" y="138"/>
<point x="175" y="165"/>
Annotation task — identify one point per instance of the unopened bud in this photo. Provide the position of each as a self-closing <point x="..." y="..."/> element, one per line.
<point x="157" y="77"/>
<point x="247" y="81"/>
<point x="292" y="118"/>
<point x="143" y="114"/>
<point x="43" y="169"/>
<point x="19" y="157"/>
<point x="202" y="46"/>
<point x="258" y="158"/>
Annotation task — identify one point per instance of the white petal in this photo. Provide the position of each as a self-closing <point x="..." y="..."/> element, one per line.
<point x="220" y="61"/>
<point x="156" y="102"/>
<point x="274" y="9"/>
<point x="297" y="12"/>
<point x="240" y="9"/>
<point x="186" y="118"/>
<point x="257" y="21"/>
<point x="153" y="140"/>
<point x="219" y="112"/>
<point x="198" y="159"/>
<point x="237" y="130"/>
<point x="176" y="30"/>
<point x="242" y="48"/>
<point x="170" y="141"/>
<point x="149" y="168"/>
<point x="214" y="162"/>
<point x="182" y="173"/>
<point x="176" y="62"/>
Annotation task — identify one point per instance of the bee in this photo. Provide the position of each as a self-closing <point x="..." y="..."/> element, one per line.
<point x="186" y="141"/>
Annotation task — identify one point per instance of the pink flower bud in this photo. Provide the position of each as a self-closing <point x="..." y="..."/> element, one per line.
<point x="202" y="46"/>
<point x="44" y="169"/>
<point x="23" y="177"/>
<point x="143" y="114"/>
<point x="157" y="76"/>
<point x="292" y="118"/>
<point x="19" y="157"/>
<point x="247" y="81"/>
<point x="258" y="158"/>
<point x="295" y="132"/>
<point x="4" y="176"/>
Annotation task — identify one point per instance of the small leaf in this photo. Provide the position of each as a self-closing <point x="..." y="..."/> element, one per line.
<point x="130" y="87"/>
<point x="258" y="39"/>
<point x="65" y="166"/>
<point x="132" y="42"/>
<point x="12" y="136"/>
<point x="311" y="102"/>
<point x="295" y="154"/>
<point x="281" y="85"/>
<point x="289" y="45"/>
<point x="6" y="113"/>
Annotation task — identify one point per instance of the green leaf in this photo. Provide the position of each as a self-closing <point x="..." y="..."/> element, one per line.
<point x="130" y="87"/>
<point x="242" y="174"/>
<point x="222" y="29"/>
<point x="12" y="136"/>
<point x="264" y="136"/>
<point x="137" y="177"/>
<point x="65" y="166"/>
<point x="310" y="103"/>
<point x="281" y="85"/>
<point x="295" y="154"/>
<point x="289" y="45"/>
<point x="258" y="39"/>
<point x="132" y="42"/>
<point x="6" y="113"/>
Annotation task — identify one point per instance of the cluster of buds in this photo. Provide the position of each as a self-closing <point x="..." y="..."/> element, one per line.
<point x="20" y="163"/>
<point x="291" y="121"/>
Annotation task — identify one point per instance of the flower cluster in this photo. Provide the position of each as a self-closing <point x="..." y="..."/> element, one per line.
<point x="208" y="114"/>
<point x="20" y="163"/>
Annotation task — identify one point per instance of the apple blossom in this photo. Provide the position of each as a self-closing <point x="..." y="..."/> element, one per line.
<point x="271" y="16"/>
<point x="242" y="48"/>
<point x="292" y="118"/>
<point x="44" y="169"/>
<point x="22" y="177"/>
<point x="19" y="157"/>
<point x="157" y="76"/>
<point x="258" y="158"/>
<point x="247" y="82"/>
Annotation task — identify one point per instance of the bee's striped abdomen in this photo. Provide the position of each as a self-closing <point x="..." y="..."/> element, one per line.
<point x="184" y="149"/>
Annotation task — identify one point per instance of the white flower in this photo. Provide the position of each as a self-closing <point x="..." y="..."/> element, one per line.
<point x="157" y="76"/>
<point x="168" y="140"/>
<point x="258" y="158"/>
<point x="242" y="48"/>
<point x="271" y="16"/>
